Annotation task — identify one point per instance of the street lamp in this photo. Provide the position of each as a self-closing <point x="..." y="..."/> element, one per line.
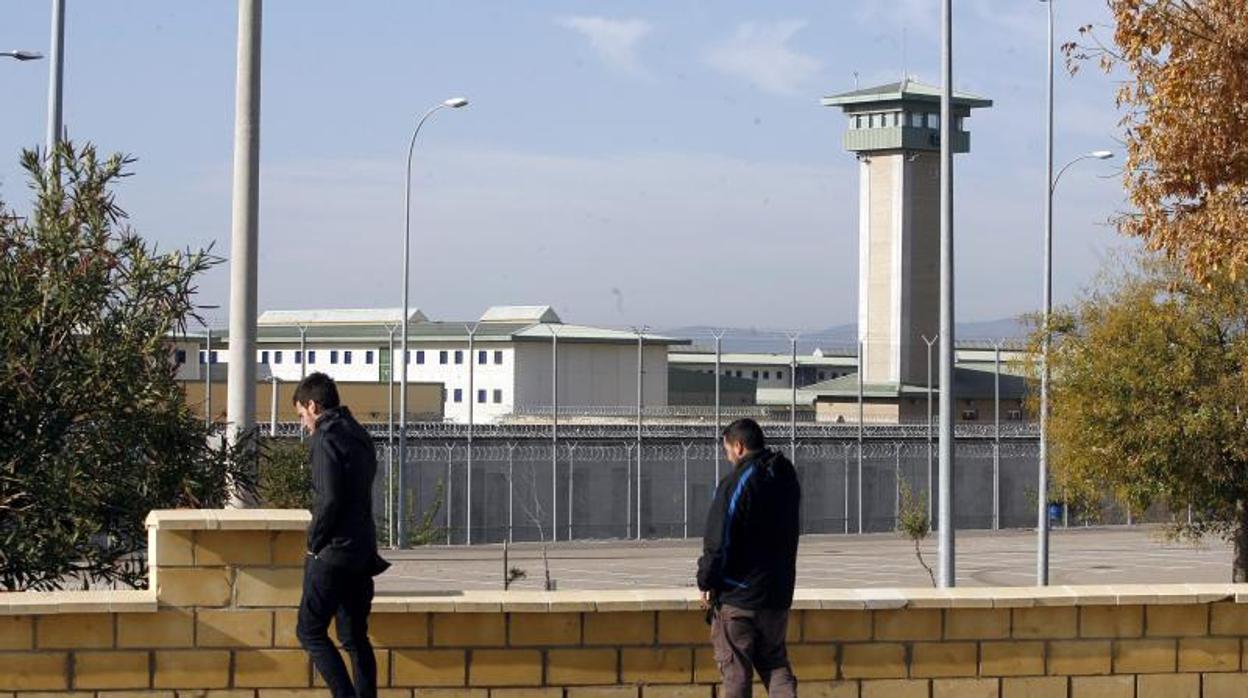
<point x="1042" y="499"/>
<point x="207" y="363"/>
<point x="22" y="55"/>
<point x="452" y="103"/>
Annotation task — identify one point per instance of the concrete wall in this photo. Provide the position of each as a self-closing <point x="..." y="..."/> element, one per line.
<point x="488" y="376"/>
<point x="219" y="618"/>
<point x="912" y="409"/>
<point x="590" y="375"/>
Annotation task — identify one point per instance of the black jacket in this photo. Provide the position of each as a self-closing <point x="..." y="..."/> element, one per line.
<point x="344" y="463"/>
<point x="749" y="550"/>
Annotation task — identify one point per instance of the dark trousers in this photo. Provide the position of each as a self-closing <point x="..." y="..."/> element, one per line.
<point x="745" y="641"/>
<point x="346" y="597"/>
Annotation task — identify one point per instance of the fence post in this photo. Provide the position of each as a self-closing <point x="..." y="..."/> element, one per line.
<point x="571" y="465"/>
<point x="511" y="492"/>
<point x="846" y="493"/>
<point x="472" y="363"/>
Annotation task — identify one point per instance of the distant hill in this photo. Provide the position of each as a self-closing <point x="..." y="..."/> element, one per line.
<point x="738" y="339"/>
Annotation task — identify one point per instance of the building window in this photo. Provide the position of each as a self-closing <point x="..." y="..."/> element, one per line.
<point x="368" y="358"/>
<point x="933" y="120"/>
<point x="298" y="357"/>
<point x="180" y="356"/>
<point x="214" y="357"/>
<point x="483" y="357"/>
<point x="498" y="357"/>
<point x="779" y="375"/>
<point x="916" y="119"/>
<point x="727" y="372"/>
<point x="264" y="357"/>
<point x="738" y="374"/>
<point x="481" y="396"/>
<point x="754" y="375"/>
<point x="202" y="356"/>
<point x="311" y="356"/>
<point x="420" y="357"/>
<point x="333" y="356"/>
<point x="459" y="395"/>
<point x="346" y="356"/>
<point x="766" y="375"/>
<point x="459" y="357"/>
<point x="443" y="356"/>
<point x="970" y="415"/>
<point x="1014" y="415"/>
<point x="822" y="375"/>
<point x="277" y="357"/>
<point x="498" y="396"/>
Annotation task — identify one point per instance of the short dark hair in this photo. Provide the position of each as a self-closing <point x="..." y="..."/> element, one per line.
<point x="319" y="388"/>
<point x="747" y="433"/>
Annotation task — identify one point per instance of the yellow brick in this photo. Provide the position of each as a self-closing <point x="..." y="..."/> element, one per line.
<point x="930" y="659"/>
<point x="209" y="586"/>
<point x="262" y="586"/>
<point x="428" y="667"/>
<point x="173" y="549"/>
<point x="271" y="669"/>
<point x="1167" y="686"/>
<point x="216" y="693"/>
<point x="977" y="624"/>
<point x="1045" y="622"/>
<point x="221" y="548"/>
<point x="683" y="628"/>
<point x="193" y="669"/>
<point x="228" y="628"/>
<point x="74" y="631"/>
<point x="1079" y="657"/>
<point x="812" y="662"/>
<point x="469" y="629"/>
<point x="526" y="693"/>
<point x="705" y="669"/>
<point x="1228" y="619"/>
<point x="632" y="628"/>
<point x="1011" y="658"/>
<point x="291" y="693"/>
<point x="505" y="668"/>
<point x="907" y="624"/>
<point x="1225" y="685"/>
<point x="873" y="661"/>
<point x="675" y="692"/>
<point x="966" y="688"/>
<point x="1144" y="656"/>
<point x="383" y="669"/>
<point x="284" y="622"/>
<point x="1102" y="686"/>
<point x="399" y="629"/>
<point x="137" y="694"/>
<point x="111" y="670"/>
<point x="1177" y="621"/>
<point x="1034" y="687"/>
<point x="164" y="628"/>
<point x="17" y="633"/>
<point x="451" y="692"/>
<point x="1209" y="654"/>
<point x="826" y="689"/>
<point x="545" y="629"/>
<point x="1111" y="621"/>
<point x="290" y="548"/>
<point x="836" y="626"/>
<point x="398" y="692"/>
<point x="666" y="665"/>
<point x="609" y="692"/>
<point x="581" y="667"/>
<point x="33" y="671"/>
<point x="896" y="688"/>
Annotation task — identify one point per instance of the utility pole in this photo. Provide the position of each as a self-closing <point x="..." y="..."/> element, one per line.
<point x="948" y="341"/>
<point x="56" y="76"/>
<point x="241" y="386"/>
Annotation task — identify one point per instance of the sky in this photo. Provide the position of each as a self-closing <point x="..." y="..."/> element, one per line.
<point x="659" y="162"/>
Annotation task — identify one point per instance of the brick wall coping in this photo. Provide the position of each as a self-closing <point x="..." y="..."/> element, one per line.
<point x="229" y="519"/>
<point x="138" y="601"/>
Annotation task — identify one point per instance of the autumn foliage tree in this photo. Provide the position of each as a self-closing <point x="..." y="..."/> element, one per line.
<point x="1185" y="122"/>
<point x="1150" y="398"/>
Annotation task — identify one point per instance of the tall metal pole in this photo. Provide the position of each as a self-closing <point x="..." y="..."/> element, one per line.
<point x="472" y="396"/>
<point x="1042" y="489"/>
<point x="389" y="439"/>
<point x="846" y="493"/>
<point x="716" y="451"/>
<point x="571" y="472"/>
<point x="862" y="367"/>
<point x="273" y="409"/>
<point x="996" y="441"/>
<point x="208" y="376"/>
<point x="303" y="363"/>
<point x="554" y="440"/>
<point x="931" y="488"/>
<point x="56" y="75"/>
<point x="948" y="342"/>
<point x="450" y="490"/>
<point x="511" y="493"/>
<point x="407" y="228"/>
<point x="684" y="493"/>
<point x="641" y="372"/>
<point x="244" y="239"/>
<point x="793" y="397"/>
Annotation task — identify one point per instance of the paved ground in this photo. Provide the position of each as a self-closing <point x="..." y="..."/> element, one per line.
<point x="1079" y="556"/>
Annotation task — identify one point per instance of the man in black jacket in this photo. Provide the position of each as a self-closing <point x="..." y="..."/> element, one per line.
<point x="342" y="540"/>
<point x="749" y="564"/>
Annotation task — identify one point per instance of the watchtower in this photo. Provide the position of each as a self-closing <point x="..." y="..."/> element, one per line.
<point x="895" y="131"/>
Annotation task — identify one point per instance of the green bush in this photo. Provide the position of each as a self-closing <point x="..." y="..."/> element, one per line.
<point x="285" y="481"/>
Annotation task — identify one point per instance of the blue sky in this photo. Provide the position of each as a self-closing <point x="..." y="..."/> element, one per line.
<point x="645" y="162"/>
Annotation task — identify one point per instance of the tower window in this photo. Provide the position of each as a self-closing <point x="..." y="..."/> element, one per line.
<point x="459" y="356"/>
<point x="498" y="357"/>
<point x="346" y="356"/>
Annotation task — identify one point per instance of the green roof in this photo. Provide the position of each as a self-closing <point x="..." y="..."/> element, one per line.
<point x="904" y="91"/>
<point x="379" y="333"/>
<point x="969" y="384"/>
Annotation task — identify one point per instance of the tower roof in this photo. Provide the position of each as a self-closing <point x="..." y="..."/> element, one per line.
<point x="904" y="91"/>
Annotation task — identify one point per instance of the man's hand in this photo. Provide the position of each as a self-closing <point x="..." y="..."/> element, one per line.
<point x="706" y="599"/>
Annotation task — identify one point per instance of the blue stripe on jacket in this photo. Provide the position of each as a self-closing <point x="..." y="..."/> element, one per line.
<point x="732" y="510"/>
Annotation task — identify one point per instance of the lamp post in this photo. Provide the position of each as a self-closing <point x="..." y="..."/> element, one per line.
<point x="56" y="73"/>
<point x="20" y="55"/>
<point x="401" y="515"/>
<point x="947" y="340"/>
<point x="207" y="364"/>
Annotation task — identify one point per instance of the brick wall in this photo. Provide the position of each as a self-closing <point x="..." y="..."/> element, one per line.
<point x="220" y="622"/>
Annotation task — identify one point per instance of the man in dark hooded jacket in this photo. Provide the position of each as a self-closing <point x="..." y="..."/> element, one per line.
<point x="342" y="540"/>
<point x="749" y="564"/>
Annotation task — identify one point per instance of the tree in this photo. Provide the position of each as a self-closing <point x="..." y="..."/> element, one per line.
<point x="1186" y="171"/>
<point x="1150" y="397"/>
<point x="94" y="429"/>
